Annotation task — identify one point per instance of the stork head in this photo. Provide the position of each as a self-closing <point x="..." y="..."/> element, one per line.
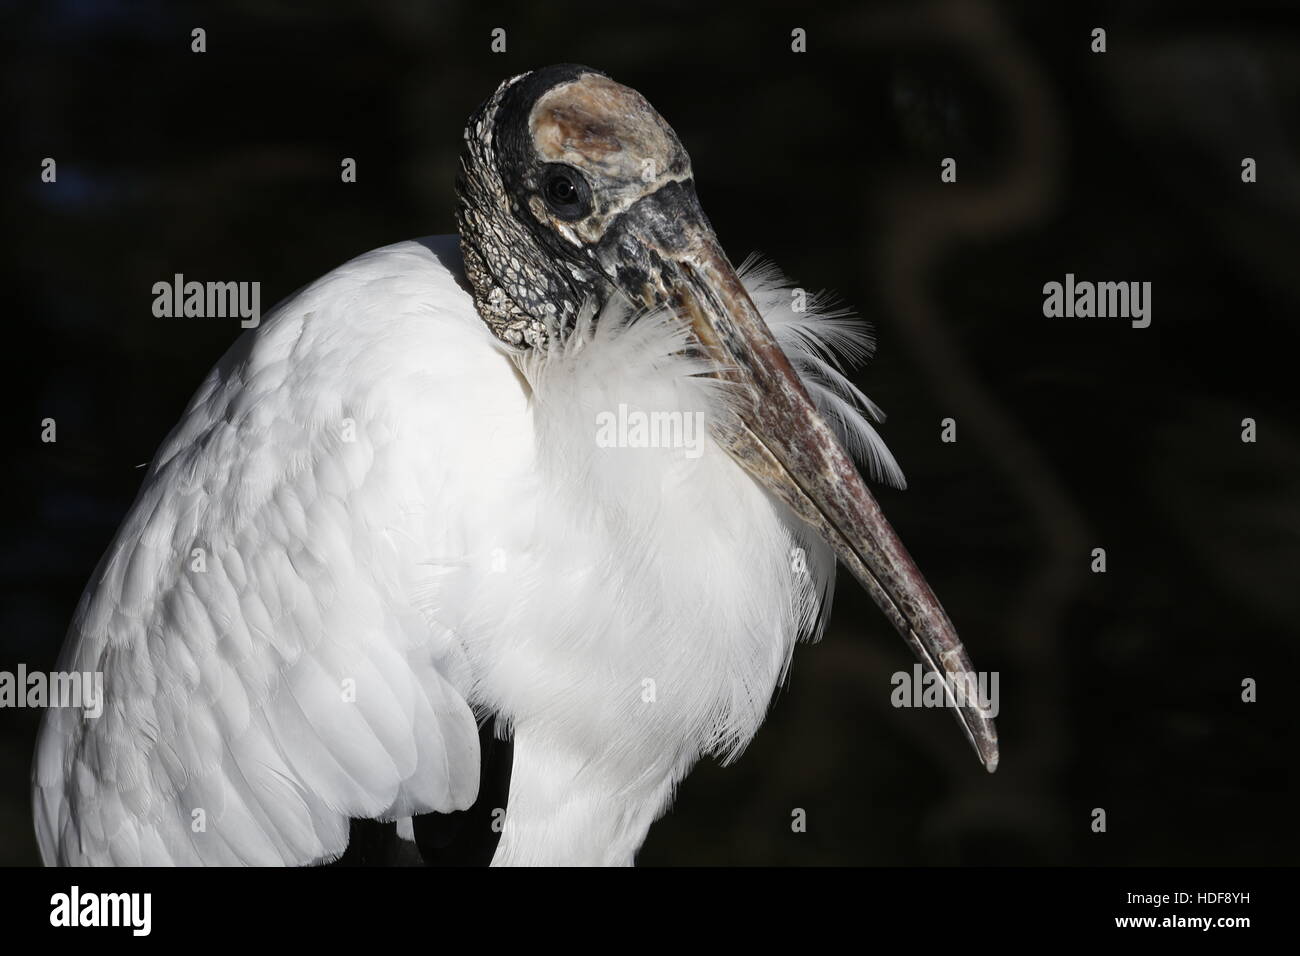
<point x="561" y="167"/>
<point x="573" y="190"/>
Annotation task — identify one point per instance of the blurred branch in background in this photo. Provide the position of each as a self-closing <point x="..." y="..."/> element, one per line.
<point x="923" y="221"/>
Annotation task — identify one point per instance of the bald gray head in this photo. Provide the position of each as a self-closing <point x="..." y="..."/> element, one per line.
<point x="555" y="176"/>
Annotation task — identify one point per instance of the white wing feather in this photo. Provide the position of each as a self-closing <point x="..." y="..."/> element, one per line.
<point x="266" y="676"/>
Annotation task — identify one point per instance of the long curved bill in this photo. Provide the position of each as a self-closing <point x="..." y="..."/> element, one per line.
<point x="667" y="252"/>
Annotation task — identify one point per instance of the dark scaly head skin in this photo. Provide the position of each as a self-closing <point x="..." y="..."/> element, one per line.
<point x="553" y="162"/>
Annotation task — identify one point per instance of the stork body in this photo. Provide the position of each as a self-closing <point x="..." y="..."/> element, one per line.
<point x="382" y="498"/>
<point x="390" y="514"/>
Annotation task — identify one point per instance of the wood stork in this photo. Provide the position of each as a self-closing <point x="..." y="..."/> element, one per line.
<point x="386" y="520"/>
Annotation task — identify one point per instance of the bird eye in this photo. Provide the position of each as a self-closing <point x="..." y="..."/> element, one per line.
<point x="566" y="192"/>
<point x="561" y="191"/>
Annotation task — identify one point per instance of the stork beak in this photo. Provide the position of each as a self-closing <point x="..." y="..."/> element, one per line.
<point x="665" y="252"/>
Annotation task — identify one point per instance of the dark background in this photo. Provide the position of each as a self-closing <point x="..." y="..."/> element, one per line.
<point x="1119" y="691"/>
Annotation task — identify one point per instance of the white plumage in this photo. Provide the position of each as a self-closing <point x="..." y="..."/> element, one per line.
<point x="404" y="523"/>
